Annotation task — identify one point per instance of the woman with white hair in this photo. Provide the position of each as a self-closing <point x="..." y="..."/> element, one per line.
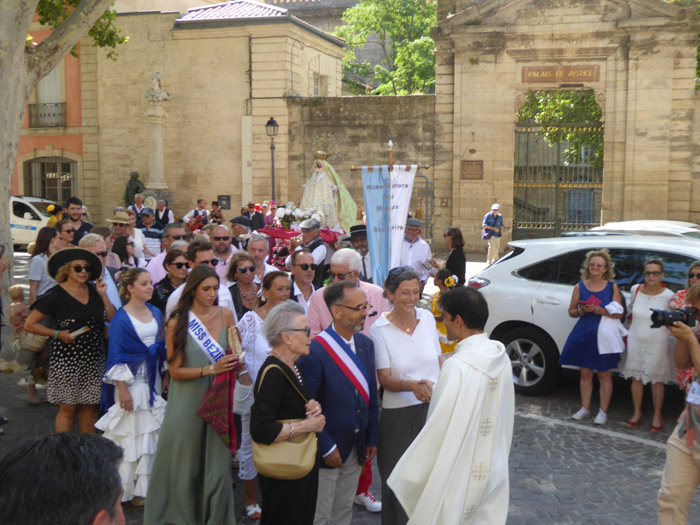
<point x="281" y="394"/>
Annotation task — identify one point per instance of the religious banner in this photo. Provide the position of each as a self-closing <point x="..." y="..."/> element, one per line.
<point x="376" y="189"/>
<point x="401" y="187"/>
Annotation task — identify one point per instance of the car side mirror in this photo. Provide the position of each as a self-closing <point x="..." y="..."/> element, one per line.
<point x="27" y="216"/>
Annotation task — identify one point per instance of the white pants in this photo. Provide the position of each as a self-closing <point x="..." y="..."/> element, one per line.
<point x="336" y="492"/>
<point x="494" y="248"/>
<point x="246" y="468"/>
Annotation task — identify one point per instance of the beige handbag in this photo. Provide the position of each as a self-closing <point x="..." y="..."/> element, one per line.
<point x="291" y="459"/>
<point x="32" y="342"/>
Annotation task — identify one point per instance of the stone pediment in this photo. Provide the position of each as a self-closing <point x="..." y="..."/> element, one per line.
<point x="501" y="13"/>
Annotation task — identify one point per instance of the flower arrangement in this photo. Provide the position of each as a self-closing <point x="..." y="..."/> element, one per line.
<point x="291" y="216"/>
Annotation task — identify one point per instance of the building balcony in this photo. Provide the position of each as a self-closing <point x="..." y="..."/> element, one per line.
<point x="47" y="115"/>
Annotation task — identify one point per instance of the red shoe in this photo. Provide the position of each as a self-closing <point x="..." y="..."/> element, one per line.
<point x="656" y="430"/>
<point x="633" y="424"/>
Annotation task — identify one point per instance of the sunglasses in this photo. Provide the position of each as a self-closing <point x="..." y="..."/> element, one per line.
<point x="71" y="230"/>
<point x="339" y="276"/>
<point x="245" y="269"/>
<point x="146" y="215"/>
<point x="177" y="237"/>
<point x="655" y="274"/>
<point x="130" y="243"/>
<point x="179" y="265"/>
<point x="213" y="262"/>
<point x="226" y="238"/>
<point x="694" y="275"/>
<point x="307" y="266"/>
<point x="307" y="330"/>
<point x="399" y="270"/>
<point x="119" y="223"/>
<point x="79" y="268"/>
<point x="361" y="308"/>
<point x="102" y="254"/>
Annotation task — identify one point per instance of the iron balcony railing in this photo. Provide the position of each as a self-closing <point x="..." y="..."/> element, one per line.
<point x="47" y="115"/>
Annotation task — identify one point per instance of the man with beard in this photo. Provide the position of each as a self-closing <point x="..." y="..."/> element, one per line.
<point x="340" y="373"/>
<point x="223" y="250"/>
<point x="74" y="209"/>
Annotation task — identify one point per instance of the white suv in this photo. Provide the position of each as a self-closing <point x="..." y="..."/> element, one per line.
<point x="529" y="290"/>
<point x="27" y="216"/>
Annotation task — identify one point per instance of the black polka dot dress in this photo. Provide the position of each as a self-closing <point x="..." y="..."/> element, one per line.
<point x="75" y="369"/>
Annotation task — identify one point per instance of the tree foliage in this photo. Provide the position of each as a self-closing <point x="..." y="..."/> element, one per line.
<point x="401" y="28"/>
<point x="105" y="34"/>
<point x="550" y="109"/>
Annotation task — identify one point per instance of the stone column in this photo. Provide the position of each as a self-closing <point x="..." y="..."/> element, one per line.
<point x="155" y="115"/>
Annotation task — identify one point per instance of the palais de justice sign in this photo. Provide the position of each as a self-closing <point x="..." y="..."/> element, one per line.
<point x="561" y="73"/>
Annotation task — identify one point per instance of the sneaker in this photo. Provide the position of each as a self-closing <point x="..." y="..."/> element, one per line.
<point x="601" y="418"/>
<point x="369" y="501"/>
<point x="582" y="412"/>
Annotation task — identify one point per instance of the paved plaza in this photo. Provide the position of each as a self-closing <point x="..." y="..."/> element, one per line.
<point x="561" y="471"/>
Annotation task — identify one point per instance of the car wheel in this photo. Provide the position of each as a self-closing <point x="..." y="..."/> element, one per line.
<point x="534" y="358"/>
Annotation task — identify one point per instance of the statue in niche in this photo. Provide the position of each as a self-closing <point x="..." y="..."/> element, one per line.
<point x="156" y="94"/>
<point x="133" y="187"/>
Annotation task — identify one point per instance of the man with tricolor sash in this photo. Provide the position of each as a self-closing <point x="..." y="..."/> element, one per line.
<point x="340" y="374"/>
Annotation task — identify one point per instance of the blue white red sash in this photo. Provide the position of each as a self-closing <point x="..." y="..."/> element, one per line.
<point x="204" y="340"/>
<point x="345" y="358"/>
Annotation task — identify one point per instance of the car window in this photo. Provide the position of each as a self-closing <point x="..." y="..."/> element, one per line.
<point x="570" y="267"/>
<point x="675" y="268"/>
<point x="626" y="267"/>
<point x="541" y="271"/>
<point x="20" y="208"/>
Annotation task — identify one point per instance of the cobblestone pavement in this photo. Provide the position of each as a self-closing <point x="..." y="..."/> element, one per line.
<point x="562" y="471"/>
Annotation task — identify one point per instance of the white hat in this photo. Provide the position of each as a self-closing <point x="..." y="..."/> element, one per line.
<point x="495" y="206"/>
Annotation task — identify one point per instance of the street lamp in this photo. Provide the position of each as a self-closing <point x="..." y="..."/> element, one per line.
<point x="272" y="128"/>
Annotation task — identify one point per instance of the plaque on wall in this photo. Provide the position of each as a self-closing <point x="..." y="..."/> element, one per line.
<point x="561" y="74"/>
<point x="472" y="170"/>
<point x="224" y="202"/>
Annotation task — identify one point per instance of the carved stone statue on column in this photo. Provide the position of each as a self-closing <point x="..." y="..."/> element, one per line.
<point x="155" y="115"/>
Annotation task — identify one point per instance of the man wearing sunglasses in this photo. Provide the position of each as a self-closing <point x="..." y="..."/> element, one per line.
<point x="303" y="270"/>
<point x="74" y="209"/>
<point x="340" y="374"/>
<point x="171" y="233"/>
<point x="311" y="240"/>
<point x="201" y="252"/>
<point x="223" y="250"/>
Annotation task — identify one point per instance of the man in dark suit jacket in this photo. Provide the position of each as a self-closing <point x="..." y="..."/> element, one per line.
<point x="340" y="374"/>
<point x="257" y="219"/>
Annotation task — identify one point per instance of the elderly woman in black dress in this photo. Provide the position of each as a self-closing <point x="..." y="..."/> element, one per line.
<point x="77" y="345"/>
<point x="241" y="275"/>
<point x="288" y="332"/>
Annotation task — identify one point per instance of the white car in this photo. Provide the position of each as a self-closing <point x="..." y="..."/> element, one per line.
<point x="529" y="289"/>
<point x="27" y="216"/>
<point x="674" y="228"/>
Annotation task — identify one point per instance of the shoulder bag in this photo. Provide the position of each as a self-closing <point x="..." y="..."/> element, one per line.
<point x="291" y="459"/>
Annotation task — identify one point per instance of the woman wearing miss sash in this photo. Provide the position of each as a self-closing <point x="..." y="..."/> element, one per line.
<point x="134" y="366"/>
<point x="191" y="477"/>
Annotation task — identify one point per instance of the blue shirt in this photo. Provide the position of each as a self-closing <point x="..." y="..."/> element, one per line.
<point x="493" y="221"/>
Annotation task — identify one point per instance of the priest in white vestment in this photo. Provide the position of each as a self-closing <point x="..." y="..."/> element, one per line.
<point x="456" y="470"/>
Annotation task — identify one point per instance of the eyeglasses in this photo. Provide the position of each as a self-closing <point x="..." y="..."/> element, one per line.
<point x="655" y="274"/>
<point x="306" y="330"/>
<point x="177" y="237"/>
<point x="694" y="276"/>
<point x="71" y="230"/>
<point x="222" y="238"/>
<point x="339" y="276"/>
<point x="119" y="224"/>
<point x="307" y="266"/>
<point x="596" y="265"/>
<point x="102" y="254"/>
<point x="361" y="308"/>
<point x="179" y="265"/>
<point x="399" y="270"/>
<point x="212" y="262"/>
<point x="245" y="269"/>
<point x="80" y="269"/>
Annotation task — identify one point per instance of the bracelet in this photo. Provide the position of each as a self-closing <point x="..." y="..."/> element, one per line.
<point x="291" y="431"/>
<point x="55" y="334"/>
<point x="578" y="309"/>
<point x="201" y="369"/>
<point x="403" y="387"/>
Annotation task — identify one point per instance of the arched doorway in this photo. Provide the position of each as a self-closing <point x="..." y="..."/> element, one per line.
<point x="558" y="176"/>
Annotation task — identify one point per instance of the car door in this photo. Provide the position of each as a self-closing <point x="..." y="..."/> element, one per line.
<point x="25" y="222"/>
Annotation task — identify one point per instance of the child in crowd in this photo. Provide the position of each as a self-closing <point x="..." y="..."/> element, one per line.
<point x="444" y="281"/>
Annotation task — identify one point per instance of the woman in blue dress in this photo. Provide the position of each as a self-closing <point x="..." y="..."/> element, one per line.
<point x="588" y="301"/>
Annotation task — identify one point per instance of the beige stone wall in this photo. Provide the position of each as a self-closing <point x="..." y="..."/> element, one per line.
<point x="206" y="74"/>
<point x="361" y="128"/>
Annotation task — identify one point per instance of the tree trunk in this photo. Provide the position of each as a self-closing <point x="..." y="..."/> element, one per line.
<point x="21" y="68"/>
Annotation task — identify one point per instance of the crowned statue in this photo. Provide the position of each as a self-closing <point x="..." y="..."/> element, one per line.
<point x="325" y="191"/>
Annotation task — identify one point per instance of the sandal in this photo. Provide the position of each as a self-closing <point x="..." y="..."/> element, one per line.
<point x="656" y="429"/>
<point x="254" y="512"/>
<point x="633" y="424"/>
<point x="4" y="420"/>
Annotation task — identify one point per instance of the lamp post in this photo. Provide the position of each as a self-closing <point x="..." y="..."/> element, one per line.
<point x="272" y="128"/>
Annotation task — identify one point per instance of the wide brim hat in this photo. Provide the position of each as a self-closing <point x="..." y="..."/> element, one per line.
<point x="67" y="255"/>
<point x="120" y="216"/>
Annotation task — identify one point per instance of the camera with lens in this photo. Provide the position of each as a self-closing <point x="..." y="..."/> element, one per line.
<point x="660" y="318"/>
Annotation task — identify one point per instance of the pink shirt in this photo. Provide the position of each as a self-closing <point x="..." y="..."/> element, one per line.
<point x="320" y="318"/>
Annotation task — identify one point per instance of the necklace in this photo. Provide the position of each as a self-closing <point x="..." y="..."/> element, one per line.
<point x="246" y="297"/>
<point x="407" y="329"/>
<point x="294" y="367"/>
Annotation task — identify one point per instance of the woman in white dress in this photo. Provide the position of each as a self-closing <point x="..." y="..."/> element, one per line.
<point x="648" y="358"/>
<point x="275" y="290"/>
<point x="135" y="364"/>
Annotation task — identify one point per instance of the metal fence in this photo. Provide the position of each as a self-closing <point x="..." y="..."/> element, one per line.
<point x="47" y="115"/>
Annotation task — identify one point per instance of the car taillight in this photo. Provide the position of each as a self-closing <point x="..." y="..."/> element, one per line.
<point x="478" y="282"/>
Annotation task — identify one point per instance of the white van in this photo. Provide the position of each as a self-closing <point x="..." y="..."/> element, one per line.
<point x="27" y="215"/>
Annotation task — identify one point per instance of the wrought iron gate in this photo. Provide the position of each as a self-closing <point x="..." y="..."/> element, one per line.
<point x="558" y="179"/>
